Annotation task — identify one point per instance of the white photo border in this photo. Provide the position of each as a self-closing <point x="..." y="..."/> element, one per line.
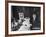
<point x="23" y="4"/>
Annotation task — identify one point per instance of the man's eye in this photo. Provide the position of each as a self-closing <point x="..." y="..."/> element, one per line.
<point x="25" y="25"/>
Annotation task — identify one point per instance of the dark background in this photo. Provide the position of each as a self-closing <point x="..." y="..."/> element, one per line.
<point x="28" y="12"/>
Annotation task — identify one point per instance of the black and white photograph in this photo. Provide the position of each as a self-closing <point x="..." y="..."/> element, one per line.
<point x="25" y="18"/>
